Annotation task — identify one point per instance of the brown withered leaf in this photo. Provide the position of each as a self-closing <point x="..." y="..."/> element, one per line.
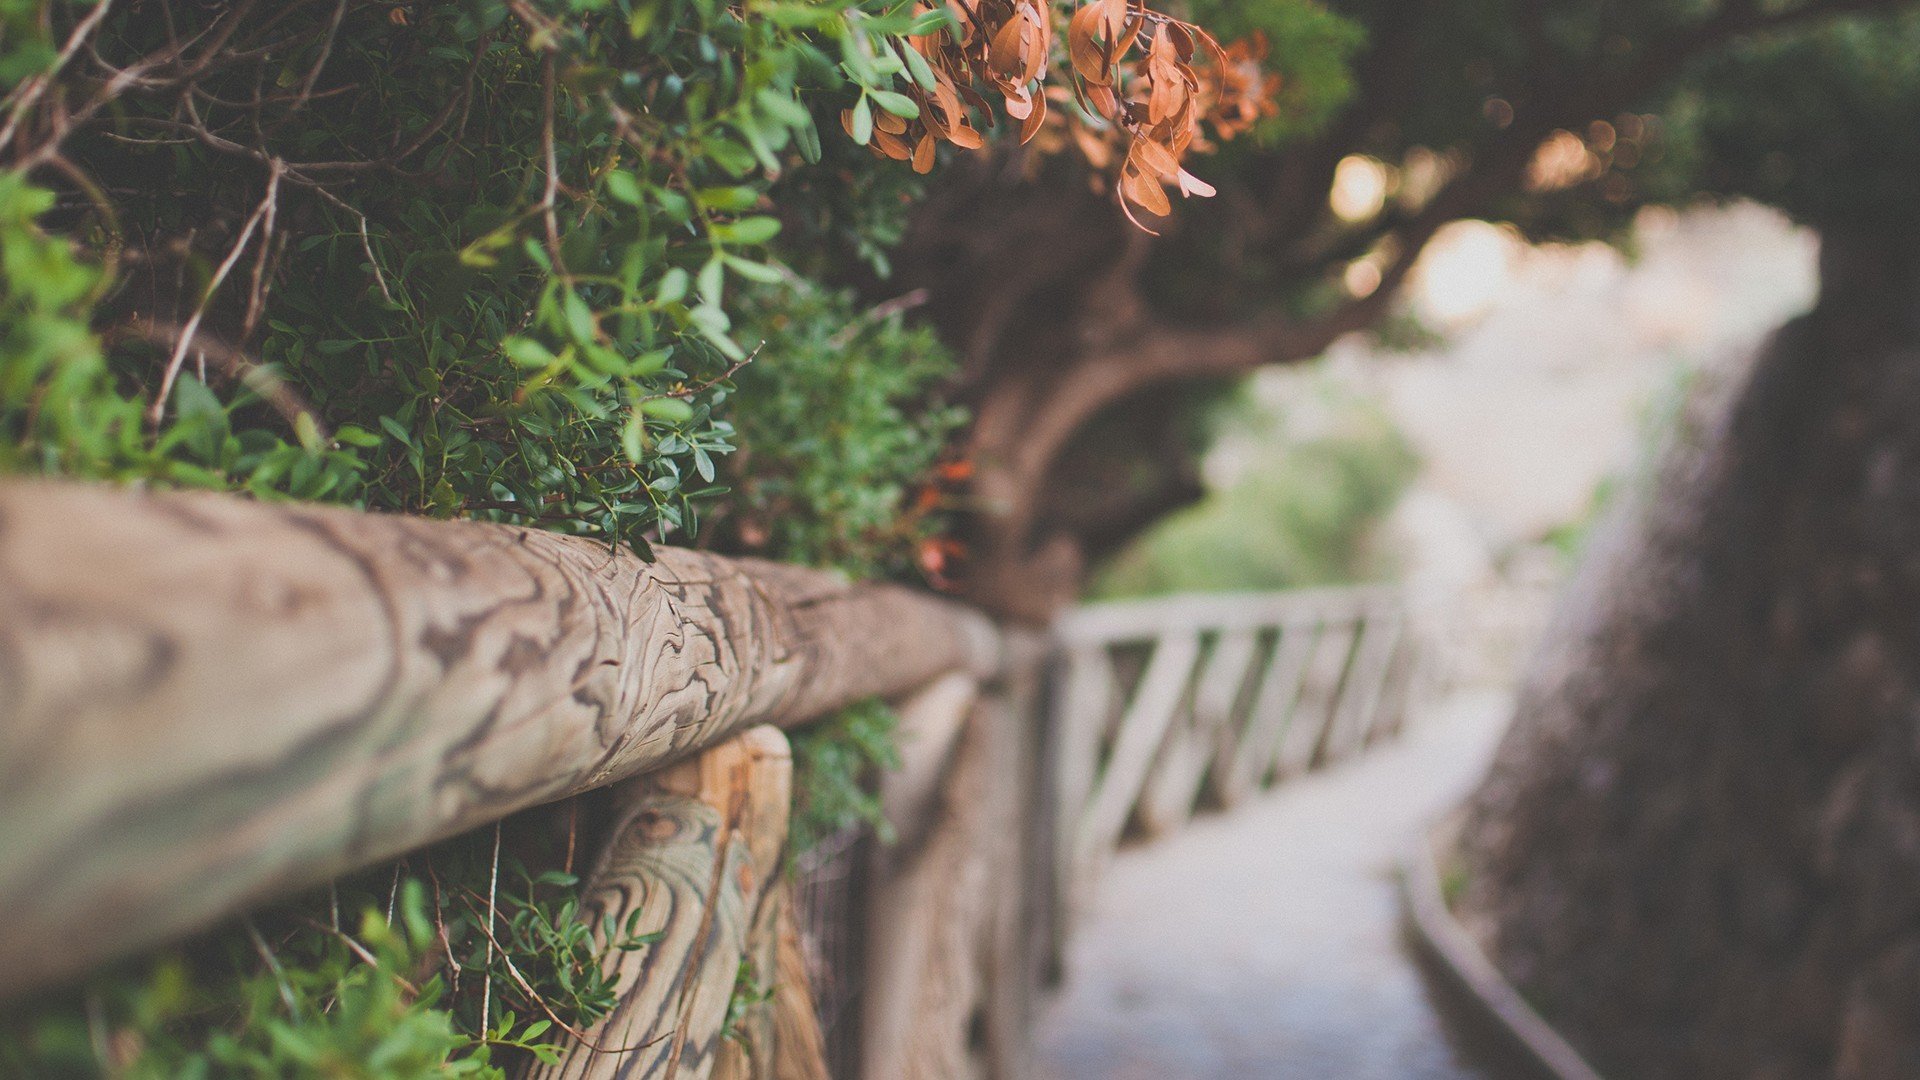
<point x="1032" y="124"/>
<point x="891" y="145"/>
<point x="966" y="138"/>
<point x="1008" y="53"/>
<point x="1150" y="89"/>
<point x="1089" y="60"/>
<point x="1144" y="190"/>
<point x="1154" y="158"/>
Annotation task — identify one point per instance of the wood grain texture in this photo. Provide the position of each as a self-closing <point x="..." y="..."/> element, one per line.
<point x="799" y="1049"/>
<point x="697" y="850"/>
<point x="206" y="701"/>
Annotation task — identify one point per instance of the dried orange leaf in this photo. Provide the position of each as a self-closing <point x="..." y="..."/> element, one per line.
<point x="1009" y="42"/>
<point x="1154" y="158"/>
<point x="1031" y="125"/>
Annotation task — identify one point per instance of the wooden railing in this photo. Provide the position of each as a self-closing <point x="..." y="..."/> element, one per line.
<point x="207" y="703"/>
<point x="1159" y="706"/>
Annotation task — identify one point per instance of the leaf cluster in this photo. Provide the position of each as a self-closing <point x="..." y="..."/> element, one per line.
<point x="834" y="764"/>
<point x="393" y="974"/>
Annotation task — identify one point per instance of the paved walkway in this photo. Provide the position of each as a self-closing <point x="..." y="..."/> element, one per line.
<point x="1266" y="942"/>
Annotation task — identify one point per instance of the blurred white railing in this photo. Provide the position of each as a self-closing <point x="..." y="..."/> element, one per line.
<point x="1161" y="706"/>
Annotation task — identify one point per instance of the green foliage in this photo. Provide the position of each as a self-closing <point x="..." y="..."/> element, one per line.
<point x="838" y="433"/>
<point x="529" y="318"/>
<point x="1311" y="48"/>
<point x="1299" y="515"/>
<point x="833" y="764"/>
<point x="1821" y="125"/>
<point x="417" y="986"/>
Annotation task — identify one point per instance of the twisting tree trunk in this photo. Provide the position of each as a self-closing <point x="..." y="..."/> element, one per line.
<point x="1056" y="309"/>
<point x="1699" y="849"/>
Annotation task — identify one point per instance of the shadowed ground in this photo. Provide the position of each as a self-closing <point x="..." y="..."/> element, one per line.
<point x="1266" y="942"/>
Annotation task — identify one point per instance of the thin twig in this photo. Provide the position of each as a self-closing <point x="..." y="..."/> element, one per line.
<point x="701" y="388"/>
<point x="273" y="964"/>
<point x="257" y="292"/>
<point x="573" y="829"/>
<point x="326" y="50"/>
<point x="32" y="90"/>
<point x="548" y="197"/>
<point x="393" y="893"/>
<point x="97" y="1031"/>
<point x="886" y="309"/>
<point x="235" y="364"/>
<point x="440" y="925"/>
<point x="365" y="954"/>
<point x="493" y="883"/>
<point x="534" y="996"/>
<point x="159" y="406"/>
<point x="366" y="245"/>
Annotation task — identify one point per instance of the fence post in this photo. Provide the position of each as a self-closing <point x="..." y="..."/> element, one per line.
<point x="694" y="857"/>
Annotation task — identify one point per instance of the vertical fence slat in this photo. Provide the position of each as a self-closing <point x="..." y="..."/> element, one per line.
<point x="1376" y="634"/>
<point x="1306" y="730"/>
<point x="1388" y="635"/>
<point x="934" y="909"/>
<point x="1274" y="703"/>
<point x="1173" y="787"/>
<point x="1142" y="728"/>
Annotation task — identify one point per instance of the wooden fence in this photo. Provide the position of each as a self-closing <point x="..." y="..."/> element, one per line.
<point x="1160" y="706"/>
<point x="207" y="703"/>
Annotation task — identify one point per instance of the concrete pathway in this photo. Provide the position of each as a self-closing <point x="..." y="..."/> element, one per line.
<point x="1266" y="942"/>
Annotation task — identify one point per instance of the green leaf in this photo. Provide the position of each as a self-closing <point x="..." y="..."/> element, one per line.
<point x="624" y="188"/>
<point x="753" y="230"/>
<point x="809" y="139"/>
<point x="862" y="121"/>
<point x="671" y="409"/>
<point x="673" y="287"/>
<point x="712" y="279"/>
<point x="730" y="199"/>
<point x="633" y="436"/>
<point x="753" y="271"/>
<point x="898" y="104"/>
<point x="527" y="352"/>
<point x="580" y="321"/>
<point x="918" y="67"/>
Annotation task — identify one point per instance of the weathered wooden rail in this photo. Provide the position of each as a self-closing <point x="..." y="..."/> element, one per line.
<point x="208" y="702"/>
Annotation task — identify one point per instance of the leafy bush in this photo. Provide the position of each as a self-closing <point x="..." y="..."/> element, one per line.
<point x="392" y="974"/>
<point x="836" y="760"/>
<point x="508" y="260"/>
<point x="839" y="438"/>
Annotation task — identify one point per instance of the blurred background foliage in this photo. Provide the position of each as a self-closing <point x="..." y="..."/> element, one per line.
<point x="1296" y="490"/>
